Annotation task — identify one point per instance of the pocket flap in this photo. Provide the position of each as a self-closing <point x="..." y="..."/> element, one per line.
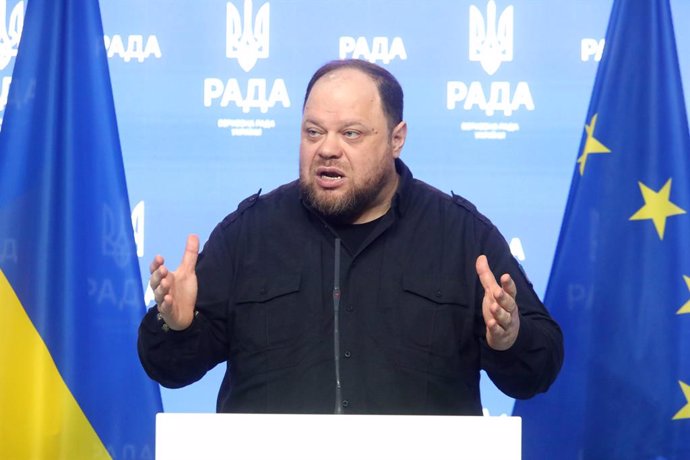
<point x="263" y="289"/>
<point x="441" y="291"/>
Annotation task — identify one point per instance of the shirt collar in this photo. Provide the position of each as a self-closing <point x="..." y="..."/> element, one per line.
<point x="402" y="197"/>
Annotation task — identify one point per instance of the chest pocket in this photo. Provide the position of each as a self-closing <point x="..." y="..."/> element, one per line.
<point x="268" y="312"/>
<point x="434" y="319"/>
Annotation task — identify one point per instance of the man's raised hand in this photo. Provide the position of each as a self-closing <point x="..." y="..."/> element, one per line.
<point x="498" y="307"/>
<point x="175" y="291"/>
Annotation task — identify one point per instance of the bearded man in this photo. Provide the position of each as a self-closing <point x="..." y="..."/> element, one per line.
<point x="355" y="289"/>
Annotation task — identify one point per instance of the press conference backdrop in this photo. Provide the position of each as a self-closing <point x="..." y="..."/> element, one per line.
<point x="208" y="97"/>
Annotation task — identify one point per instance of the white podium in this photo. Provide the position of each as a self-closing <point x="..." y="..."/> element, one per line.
<point x="336" y="437"/>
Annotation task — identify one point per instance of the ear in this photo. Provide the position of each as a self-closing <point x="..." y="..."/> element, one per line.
<point x="398" y="137"/>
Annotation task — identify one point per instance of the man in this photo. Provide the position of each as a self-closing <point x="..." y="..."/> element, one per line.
<point x="357" y="289"/>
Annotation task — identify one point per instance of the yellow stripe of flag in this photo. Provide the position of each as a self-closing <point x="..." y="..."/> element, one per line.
<point x="40" y="419"/>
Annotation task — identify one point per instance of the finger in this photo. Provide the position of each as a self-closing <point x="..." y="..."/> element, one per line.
<point x="155" y="263"/>
<point x="486" y="277"/>
<point x="165" y="305"/>
<point x="491" y="323"/>
<point x="158" y="276"/>
<point x="508" y="285"/>
<point x="501" y="316"/>
<point x="155" y="279"/>
<point x="495" y="330"/>
<point x="191" y="253"/>
<point x="161" y="292"/>
<point x="504" y="299"/>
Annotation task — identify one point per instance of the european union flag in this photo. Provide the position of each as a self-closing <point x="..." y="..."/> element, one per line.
<point x="70" y="289"/>
<point x="620" y="282"/>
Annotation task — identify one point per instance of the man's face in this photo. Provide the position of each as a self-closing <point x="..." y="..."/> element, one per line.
<point x="347" y="169"/>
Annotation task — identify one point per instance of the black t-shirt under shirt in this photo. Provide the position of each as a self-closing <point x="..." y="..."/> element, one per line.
<point x="353" y="235"/>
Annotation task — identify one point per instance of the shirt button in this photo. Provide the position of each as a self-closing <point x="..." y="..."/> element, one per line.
<point x="346" y="403"/>
<point x="348" y="354"/>
<point x="349" y="308"/>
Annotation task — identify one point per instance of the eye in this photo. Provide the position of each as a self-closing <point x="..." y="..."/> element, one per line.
<point x="311" y="132"/>
<point x="351" y="134"/>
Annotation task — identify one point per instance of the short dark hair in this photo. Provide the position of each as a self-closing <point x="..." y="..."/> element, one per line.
<point x="390" y="91"/>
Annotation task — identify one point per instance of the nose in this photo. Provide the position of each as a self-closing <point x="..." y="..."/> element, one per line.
<point x="329" y="147"/>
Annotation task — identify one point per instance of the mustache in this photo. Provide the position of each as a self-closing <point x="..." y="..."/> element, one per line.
<point x="327" y="163"/>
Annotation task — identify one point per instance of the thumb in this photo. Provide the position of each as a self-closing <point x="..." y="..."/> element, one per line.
<point x="191" y="253"/>
<point x="486" y="276"/>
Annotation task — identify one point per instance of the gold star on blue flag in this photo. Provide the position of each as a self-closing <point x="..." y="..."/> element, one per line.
<point x="685" y="308"/>
<point x="684" y="412"/>
<point x="592" y="145"/>
<point x="624" y="249"/>
<point x="657" y="207"/>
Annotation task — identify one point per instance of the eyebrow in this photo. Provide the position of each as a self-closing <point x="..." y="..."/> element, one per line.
<point x="342" y="125"/>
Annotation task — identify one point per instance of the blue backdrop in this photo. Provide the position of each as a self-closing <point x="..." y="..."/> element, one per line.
<point x="208" y="98"/>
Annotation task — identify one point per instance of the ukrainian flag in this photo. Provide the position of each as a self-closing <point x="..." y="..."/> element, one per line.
<point x="620" y="281"/>
<point x="71" y="297"/>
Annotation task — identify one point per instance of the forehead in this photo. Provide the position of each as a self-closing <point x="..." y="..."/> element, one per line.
<point x="344" y="88"/>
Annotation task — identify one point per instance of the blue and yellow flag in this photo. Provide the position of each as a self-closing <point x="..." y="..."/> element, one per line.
<point x="620" y="282"/>
<point x="71" y="386"/>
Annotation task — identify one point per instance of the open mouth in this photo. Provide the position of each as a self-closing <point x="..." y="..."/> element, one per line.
<point x="330" y="175"/>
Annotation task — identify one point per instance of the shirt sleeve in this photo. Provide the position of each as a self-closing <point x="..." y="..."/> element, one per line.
<point x="178" y="358"/>
<point x="531" y="365"/>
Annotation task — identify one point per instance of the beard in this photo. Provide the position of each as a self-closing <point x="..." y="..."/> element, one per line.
<point x="344" y="208"/>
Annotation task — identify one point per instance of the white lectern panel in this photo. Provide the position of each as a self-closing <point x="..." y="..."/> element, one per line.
<point x="336" y="437"/>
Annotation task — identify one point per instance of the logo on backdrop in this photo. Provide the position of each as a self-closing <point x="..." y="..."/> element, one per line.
<point x="138" y="221"/>
<point x="378" y="49"/>
<point x="591" y="48"/>
<point x="138" y="226"/>
<point x="125" y="293"/>
<point x="247" y="41"/>
<point x="10" y="32"/>
<point x="491" y="41"/>
<point x="490" y="44"/>
<point x="136" y="47"/>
